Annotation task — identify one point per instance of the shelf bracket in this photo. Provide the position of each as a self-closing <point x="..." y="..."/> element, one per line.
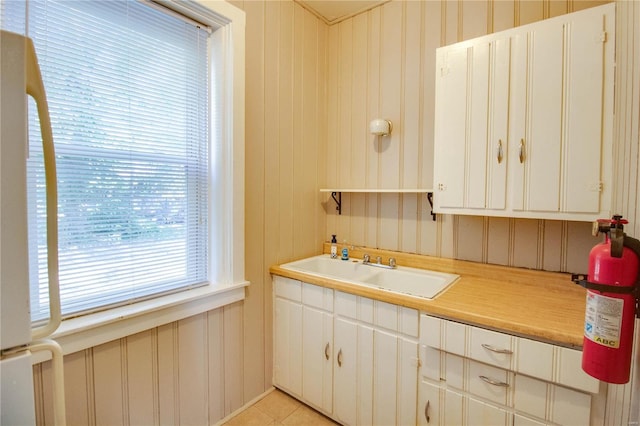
<point x="337" y="200"/>
<point x="430" y="198"/>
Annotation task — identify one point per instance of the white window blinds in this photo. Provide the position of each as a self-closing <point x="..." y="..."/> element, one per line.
<point x="127" y="87"/>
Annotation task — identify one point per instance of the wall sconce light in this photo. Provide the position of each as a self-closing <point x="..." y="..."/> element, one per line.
<point x="380" y="127"/>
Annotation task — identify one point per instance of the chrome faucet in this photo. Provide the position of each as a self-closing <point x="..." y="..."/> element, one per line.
<point x="366" y="260"/>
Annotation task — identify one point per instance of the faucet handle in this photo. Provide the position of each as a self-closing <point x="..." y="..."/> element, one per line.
<point x="378" y="259"/>
<point x="392" y="262"/>
<point x="366" y="258"/>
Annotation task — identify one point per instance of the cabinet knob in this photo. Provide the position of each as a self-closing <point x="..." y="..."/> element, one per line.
<point x="326" y="351"/>
<point x="499" y="151"/>
<point x="340" y="358"/>
<point x="521" y="154"/>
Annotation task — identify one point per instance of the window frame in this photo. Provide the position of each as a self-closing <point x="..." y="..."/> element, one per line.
<point x="226" y="210"/>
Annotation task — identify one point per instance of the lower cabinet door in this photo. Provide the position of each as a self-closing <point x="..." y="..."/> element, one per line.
<point x="317" y="358"/>
<point x="429" y="404"/>
<point x="452" y="410"/>
<point x="438" y="406"/>
<point x="385" y="389"/>
<point x="407" y="382"/>
<point x="345" y="371"/>
<point x="395" y="378"/>
<point x="287" y="351"/>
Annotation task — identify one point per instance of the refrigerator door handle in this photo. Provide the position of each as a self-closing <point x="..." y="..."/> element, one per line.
<point x="57" y="369"/>
<point x="35" y="88"/>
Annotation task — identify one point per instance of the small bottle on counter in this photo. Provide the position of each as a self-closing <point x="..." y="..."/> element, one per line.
<point x="345" y="252"/>
<point x="334" y="247"/>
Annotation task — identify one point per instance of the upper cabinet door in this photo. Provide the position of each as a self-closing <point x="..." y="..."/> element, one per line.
<point x="584" y="130"/>
<point x="476" y="152"/>
<point x="537" y="131"/>
<point x="497" y="143"/>
<point x="451" y="125"/>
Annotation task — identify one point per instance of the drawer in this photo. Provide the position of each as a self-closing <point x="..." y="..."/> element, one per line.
<point x="490" y="383"/>
<point x="491" y="347"/>
<point x="287" y="288"/>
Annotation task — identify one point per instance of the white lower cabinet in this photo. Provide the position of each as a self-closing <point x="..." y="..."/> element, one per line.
<point x="474" y="376"/>
<point x="350" y="357"/>
<point x="366" y="362"/>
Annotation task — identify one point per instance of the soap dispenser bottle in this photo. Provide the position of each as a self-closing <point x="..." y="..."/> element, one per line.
<point x="334" y="247"/>
<point x="345" y="251"/>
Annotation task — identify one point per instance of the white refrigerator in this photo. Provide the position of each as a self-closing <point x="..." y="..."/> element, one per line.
<point x="20" y="77"/>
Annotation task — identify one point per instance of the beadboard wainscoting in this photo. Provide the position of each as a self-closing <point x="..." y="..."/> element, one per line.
<point x="310" y="91"/>
<point x="186" y="372"/>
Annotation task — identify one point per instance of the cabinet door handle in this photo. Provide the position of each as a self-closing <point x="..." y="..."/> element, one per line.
<point x="426" y="412"/>
<point x="340" y="358"/>
<point x="494" y="382"/>
<point x="497" y="350"/>
<point x="521" y="155"/>
<point x="499" y="151"/>
<point x="326" y="351"/>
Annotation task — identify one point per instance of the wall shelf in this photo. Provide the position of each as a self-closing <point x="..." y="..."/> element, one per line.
<point x="336" y="194"/>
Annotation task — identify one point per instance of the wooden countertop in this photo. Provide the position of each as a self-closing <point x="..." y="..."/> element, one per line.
<point x="545" y="306"/>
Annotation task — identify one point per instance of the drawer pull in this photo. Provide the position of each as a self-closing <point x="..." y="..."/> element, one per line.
<point x="499" y="151"/>
<point x="496" y="350"/>
<point x="326" y="351"/>
<point x="340" y="358"/>
<point x="426" y="412"/>
<point x="494" y="382"/>
<point x="521" y="153"/>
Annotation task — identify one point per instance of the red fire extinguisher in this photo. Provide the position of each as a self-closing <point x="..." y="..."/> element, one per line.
<point x="612" y="302"/>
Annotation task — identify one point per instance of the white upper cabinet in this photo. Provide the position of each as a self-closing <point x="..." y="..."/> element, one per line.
<point x="524" y="119"/>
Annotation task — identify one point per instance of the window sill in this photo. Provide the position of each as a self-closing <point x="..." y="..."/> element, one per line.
<point x="80" y="333"/>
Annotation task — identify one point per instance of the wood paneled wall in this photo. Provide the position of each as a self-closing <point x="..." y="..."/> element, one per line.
<point x="285" y="160"/>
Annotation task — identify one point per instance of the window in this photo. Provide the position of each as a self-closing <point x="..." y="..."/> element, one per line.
<point x="139" y="109"/>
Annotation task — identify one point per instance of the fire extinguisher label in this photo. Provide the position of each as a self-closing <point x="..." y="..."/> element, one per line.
<point x="603" y="319"/>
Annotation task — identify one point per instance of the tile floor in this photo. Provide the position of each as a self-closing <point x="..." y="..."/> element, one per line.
<point x="276" y="409"/>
